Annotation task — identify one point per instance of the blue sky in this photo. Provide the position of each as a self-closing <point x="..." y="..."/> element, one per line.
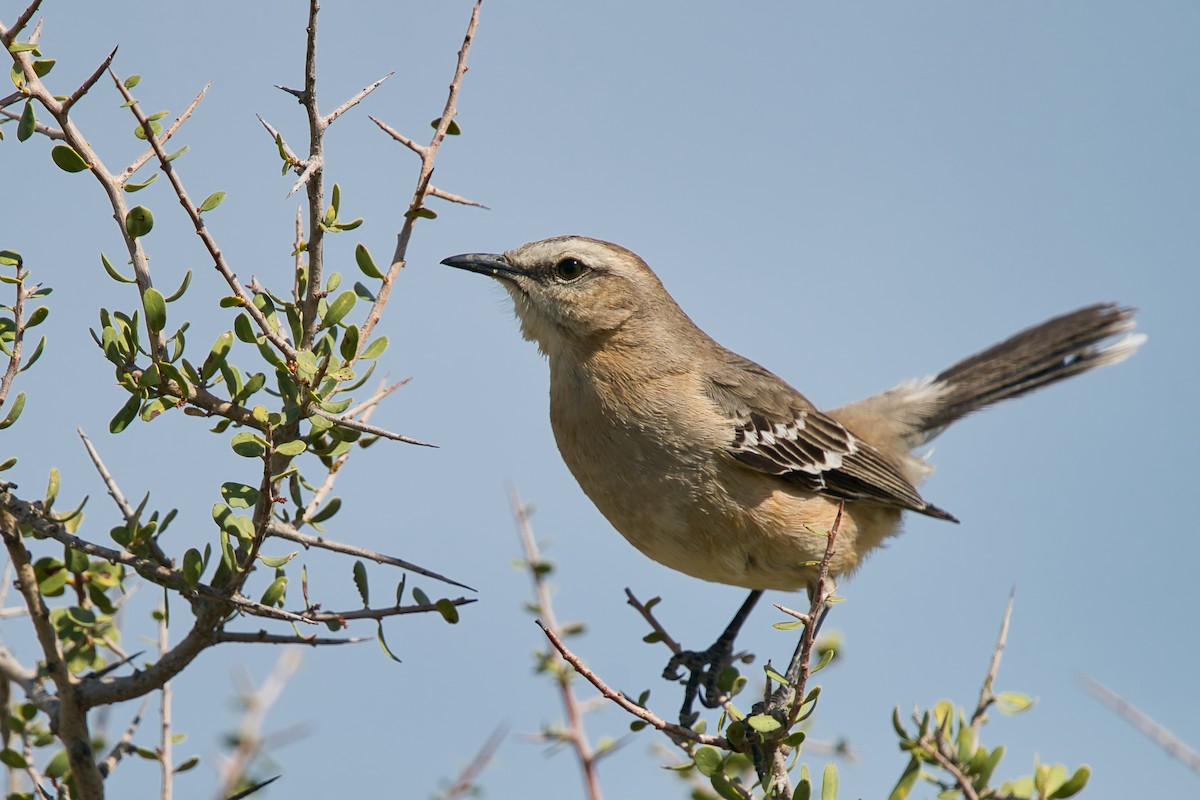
<point x="851" y="194"/>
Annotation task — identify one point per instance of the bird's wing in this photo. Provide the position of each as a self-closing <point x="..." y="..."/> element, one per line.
<point x="776" y="430"/>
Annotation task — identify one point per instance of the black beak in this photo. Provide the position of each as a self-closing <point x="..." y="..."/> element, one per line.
<point x="484" y="263"/>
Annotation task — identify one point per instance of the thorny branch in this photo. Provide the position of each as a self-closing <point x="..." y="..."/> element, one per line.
<point x="427" y="153"/>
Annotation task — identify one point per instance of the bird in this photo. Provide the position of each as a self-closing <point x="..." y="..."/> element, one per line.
<point x="712" y="465"/>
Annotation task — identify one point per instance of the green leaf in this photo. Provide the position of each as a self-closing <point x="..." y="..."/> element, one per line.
<point x="112" y="272"/>
<point x="43" y="66"/>
<point x="292" y="448"/>
<point x="1014" y="702"/>
<point x="274" y="594"/>
<point x="1073" y="785"/>
<point x="339" y="308"/>
<point x="193" y="566"/>
<point x="360" y="581"/>
<point x="419" y="597"/>
<point x="248" y="445"/>
<point x="212" y="201"/>
<point x="451" y="130"/>
<point x="187" y="764"/>
<point x="423" y="213"/>
<point x="132" y="81"/>
<point x="239" y="495"/>
<point x="67" y="159"/>
<point x="327" y="510"/>
<point x="22" y="47"/>
<point x="156" y="310"/>
<point x="158" y="406"/>
<point x="177" y="153"/>
<point x="28" y="123"/>
<point x="708" y="760"/>
<point x="829" y="782"/>
<point x="137" y="187"/>
<point x="375" y="348"/>
<point x="140" y="130"/>
<point x="725" y="789"/>
<point x="341" y="227"/>
<point x="10" y="258"/>
<point x="362" y="257"/>
<point x="908" y="779"/>
<point x="178" y="293"/>
<point x="11" y="758"/>
<point x="18" y="406"/>
<point x="216" y="356"/>
<point x="763" y="723"/>
<point x="244" y="330"/>
<point x="125" y="416"/>
<point x="448" y="610"/>
<point x="383" y="642"/>
<point x="139" y="221"/>
<point x="37" y="317"/>
<point x="275" y="562"/>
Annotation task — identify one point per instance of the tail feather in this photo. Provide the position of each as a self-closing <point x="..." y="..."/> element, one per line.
<point x="1039" y="356"/>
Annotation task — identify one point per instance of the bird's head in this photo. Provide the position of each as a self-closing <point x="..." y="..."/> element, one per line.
<point x="571" y="290"/>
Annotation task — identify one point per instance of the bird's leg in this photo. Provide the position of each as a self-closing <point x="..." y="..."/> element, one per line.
<point x="705" y="666"/>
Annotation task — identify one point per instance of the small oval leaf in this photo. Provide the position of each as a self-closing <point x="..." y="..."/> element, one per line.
<point x="28" y="123"/>
<point x="139" y="221"/>
<point x="67" y="159"/>
<point x="212" y="201"/>
<point x="339" y="308"/>
<point x="156" y="310"/>
<point x="362" y="257"/>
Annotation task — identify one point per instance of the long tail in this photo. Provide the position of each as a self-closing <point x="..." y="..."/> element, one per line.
<point x="1039" y="356"/>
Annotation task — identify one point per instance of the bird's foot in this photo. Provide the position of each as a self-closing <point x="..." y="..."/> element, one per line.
<point x="710" y="676"/>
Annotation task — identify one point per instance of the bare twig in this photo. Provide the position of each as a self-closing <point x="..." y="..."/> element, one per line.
<point x="575" y="734"/>
<point x="380" y="613"/>
<point x="1144" y="723"/>
<point x="355" y="100"/>
<point x="453" y="198"/>
<point x="89" y="82"/>
<point x="262" y="637"/>
<point x="18" y="331"/>
<point x="648" y="615"/>
<point x="114" y="491"/>
<point x="123" y="745"/>
<point x="419" y="149"/>
<point x="166" y="746"/>
<point x="366" y="406"/>
<point x="284" y="531"/>
<point x="466" y="779"/>
<point x="257" y="704"/>
<point x="633" y="708"/>
<point x="8" y="36"/>
<point x="986" y="695"/>
<point x="355" y="425"/>
<point x="163" y="137"/>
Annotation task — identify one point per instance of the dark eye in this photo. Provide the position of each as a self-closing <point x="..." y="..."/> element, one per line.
<point x="569" y="269"/>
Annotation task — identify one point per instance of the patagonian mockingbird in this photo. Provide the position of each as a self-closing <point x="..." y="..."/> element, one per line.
<point x="714" y="466"/>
